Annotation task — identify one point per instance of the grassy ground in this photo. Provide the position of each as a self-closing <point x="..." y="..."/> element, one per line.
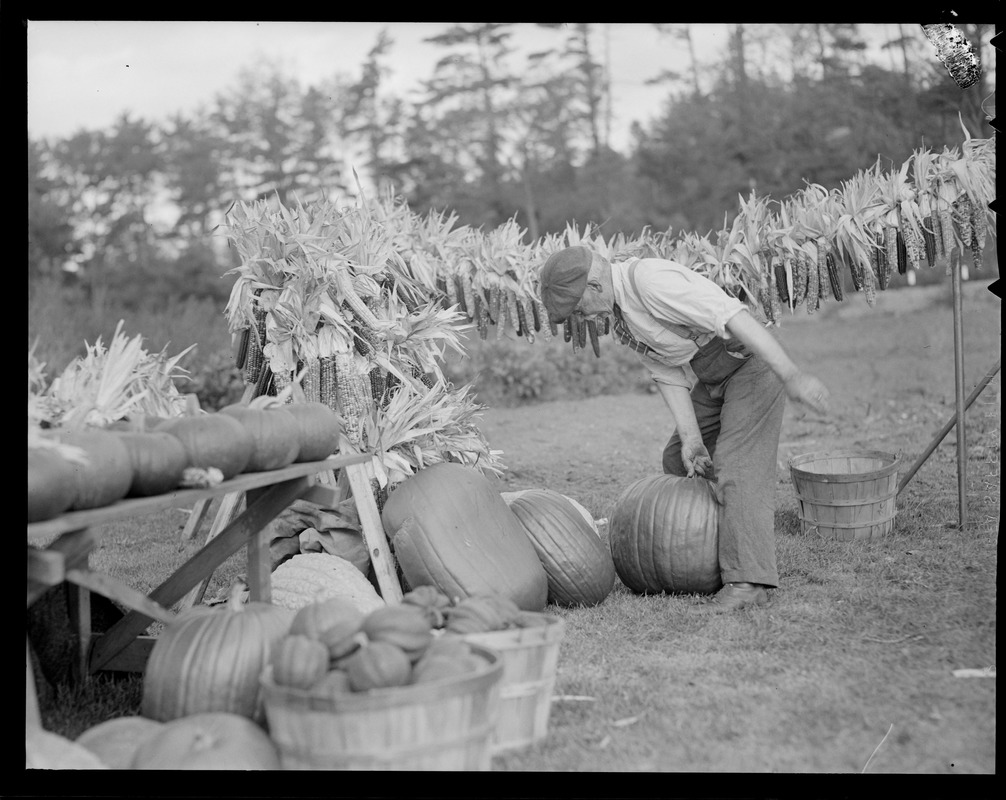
<point x="849" y="667"/>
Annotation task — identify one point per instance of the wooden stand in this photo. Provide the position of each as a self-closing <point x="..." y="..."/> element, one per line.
<point x="58" y="551"/>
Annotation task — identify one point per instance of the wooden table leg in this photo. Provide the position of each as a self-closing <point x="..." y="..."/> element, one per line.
<point x="32" y="717"/>
<point x="259" y="561"/>
<point x="78" y="604"/>
<point x="225" y="514"/>
<point x="373" y="534"/>
<point x="191" y="573"/>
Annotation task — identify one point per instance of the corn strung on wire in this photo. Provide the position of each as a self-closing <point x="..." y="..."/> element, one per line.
<point x="451" y="289"/>
<point x="856" y="272"/>
<point x="494" y="304"/>
<point x="798" y="268"/>
<point x="242" y="354"/>
<point x="255" y="359"/>
<point x="979" y="223"/>
<point x="264" y="384"/>
<point x="834" y="276"/>
<point x="567" y="330"/>
<point x="902" y="249"/>
<point x="929" y="241"/>
<point x="777" y="275"/>
<point x="883" y="262"/>
<point x="471" y="302"/>
<point x="525" y="317"/>
<point x="512" y="311"/>
<point x="870" y="280"/>
<point x="823" y="278"/>
<point x="773" y="306"/>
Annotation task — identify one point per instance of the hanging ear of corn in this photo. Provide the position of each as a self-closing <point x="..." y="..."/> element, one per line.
<point x="326" y="382"/>
<point x="532" y="306"/>
<point x="961" y="213"/>
<point x="870" y="283"/>
<point x="813" y="284"/>
<point x="929" y="241"/>
<point x="352" y="393"/>
<point x="800" y="275"/>
<point x="524" y="318"/>
<point x="773" y="308"/>
<point x="470" y="297"/>
<point x="495" y="304"/>
<point x="890" y="260"/>
<point x="978" y="225"/>
<point x="242" y="350"/>
<point x="567" y="329"/>
<point x="823" y="278"/>
<point x="902" y="251"/>
<point x="548" y="328"/>
<point x="581" y="330"/>
<point x="834" y="276"/>
<point x="311" y="384"/>
<point x="512" y="310"/>
<point x="592" y="333"/>
<point x="883" y="269"/>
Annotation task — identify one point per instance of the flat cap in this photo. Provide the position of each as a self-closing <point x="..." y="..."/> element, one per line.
<point x="563" y="280"/>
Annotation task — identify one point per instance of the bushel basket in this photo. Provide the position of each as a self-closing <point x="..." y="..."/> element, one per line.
<point x="846" y="494"/>
<point x="443" y="725"/>
<point x="529" y="657"/>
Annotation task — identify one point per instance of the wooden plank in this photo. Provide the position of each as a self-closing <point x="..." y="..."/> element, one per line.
<point x="228" y="542"/>
<point x="259" y="567"/>
<point x="116" y="590"/>
<point x="324" y="496"/>
<point x="225" y="515"/>
<point x="195" y="520"/>
<point x="373" y="534"/>
<point x="78" y="603"/>
<point x="68" y="548"/>
<point x="132" y="658"/>
<point x="41" y="532"/>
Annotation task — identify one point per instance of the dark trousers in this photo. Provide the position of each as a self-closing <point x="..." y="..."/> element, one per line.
<point x="741" y="432"/>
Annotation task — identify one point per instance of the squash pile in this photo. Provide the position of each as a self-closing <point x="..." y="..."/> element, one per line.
<point x="332" y="647"/>
<point x="77" y="469"/>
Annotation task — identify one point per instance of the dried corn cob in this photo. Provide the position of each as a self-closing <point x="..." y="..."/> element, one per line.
<point x="773" y="306"/>
<point x="780" y="282"/>
<point x="581" y="326"/>
<point x="961" y="212"/>
<point x="495" y="304"/>
<point x="607" y="324"/>
<point x="512" y="310"/>
<point x="798" y="269"/>
<point x="813" y="284"/>
<point x="482" y="320"/>
<point x="856" y="271"/>
<point x="929" y="241"/>
<point x="352" y="393"/>
<point x="902" y="250"/>
<point x="378" y="383"/>
<point x="548" y="328"/>
<point x="255" y="359"/>
<point x="947" y="230"/>
<point x="264" y="385"/>
<point x="874" y="267"/>
<point x="890" y="252"/>
<point x="451" y="289"/>
<point x="326" y="382"/>
<point x="976" y="253"/>
<point x="282" y="379"/>
<point x="938" y="239"/>
<point x="592" y="333"/>
<point x="823" y="277"/>
<point x="567" y="330"/>
<point x="471" y="297"/>
<point x="978" y="225"/>
<point x="870" y="285"/>
<point x="834" y="276"/>
<point x="311" y="383"/>
<point x="242" y="352"/>
<point x="344" y="284"/>
<point x="883" y="263"/>
<point x="525" y="316"/>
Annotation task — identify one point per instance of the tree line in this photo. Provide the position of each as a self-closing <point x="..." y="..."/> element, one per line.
<point x="132" y="209"/>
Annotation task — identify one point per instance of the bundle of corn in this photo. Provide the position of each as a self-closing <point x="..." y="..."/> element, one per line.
<point x="860" y="206"/>
<point x="974" y="173"/>
<point x="109" y="384"/>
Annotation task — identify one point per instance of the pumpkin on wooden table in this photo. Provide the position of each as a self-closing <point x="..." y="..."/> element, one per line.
<point x="211" y="659"/>
<point x="51" y="489"/>
<point x="212" y="440"/>
<point x="105" y="474"/>
<point x="319" y="429"/>
<point x="664" y="536"/>
<point x="579" y="565"/>
<point x="158" y="460"/>
<point x="274" y="431"/>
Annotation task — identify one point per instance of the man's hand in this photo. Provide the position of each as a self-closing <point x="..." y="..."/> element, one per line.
<point x="696" y="458"/>
<point x="809" y="390"/>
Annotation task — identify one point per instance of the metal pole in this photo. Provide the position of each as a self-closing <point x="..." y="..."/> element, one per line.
<point x="962" y="449"/>
<point x="948" y="426"/>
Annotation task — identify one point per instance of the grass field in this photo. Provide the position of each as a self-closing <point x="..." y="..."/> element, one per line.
<point x="848" y="669"/>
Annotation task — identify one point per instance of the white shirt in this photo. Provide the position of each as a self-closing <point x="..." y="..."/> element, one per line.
<point x="672" y="292"/>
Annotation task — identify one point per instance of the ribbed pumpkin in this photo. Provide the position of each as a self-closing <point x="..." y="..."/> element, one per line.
<point x="578" y="564"/>
<point x="664" y="536"/>
<point x="210" y="659"/>
<point x="158" y="461"/>
<point x="213" y="440"/>
<point x="50" y="484"/>
<point x="107" y="474"/>
<point x="274" y="431"/>
<point x="319" y="428"/>
<point x="377" y="665"/>
<point x="450" y="528"/>
<point x="299" y="661"/>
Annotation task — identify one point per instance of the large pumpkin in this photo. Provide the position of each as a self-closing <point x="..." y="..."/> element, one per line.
<point x="107" y="473"/>
<point x="115" y="741"/>
<point x="578" y="564"/>
<point x="210" y="659"/>
<point x="275" y="433"/>
<point x="158" y="460"/>
<point x="664" y="536"/>
<point x="450" y="528"/>
<point x="213" y="440"/>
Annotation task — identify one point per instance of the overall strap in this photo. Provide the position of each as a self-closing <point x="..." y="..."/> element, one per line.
<point x="680" y="330"/>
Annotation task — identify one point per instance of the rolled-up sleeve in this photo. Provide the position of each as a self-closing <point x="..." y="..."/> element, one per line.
<point x="668" y="374"/>
<point x="677" y="294"/>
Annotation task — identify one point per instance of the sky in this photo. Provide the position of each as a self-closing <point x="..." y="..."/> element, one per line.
<point x="84" y="74"/>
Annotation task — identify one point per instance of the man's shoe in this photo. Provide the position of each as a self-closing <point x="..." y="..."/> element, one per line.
<point x="735" y="596"/>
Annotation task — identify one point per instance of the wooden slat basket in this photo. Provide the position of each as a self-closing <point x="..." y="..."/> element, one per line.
<point x="444" y="725"/>
<point x="846" y="495"/>
<point x="530" y="657"/>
